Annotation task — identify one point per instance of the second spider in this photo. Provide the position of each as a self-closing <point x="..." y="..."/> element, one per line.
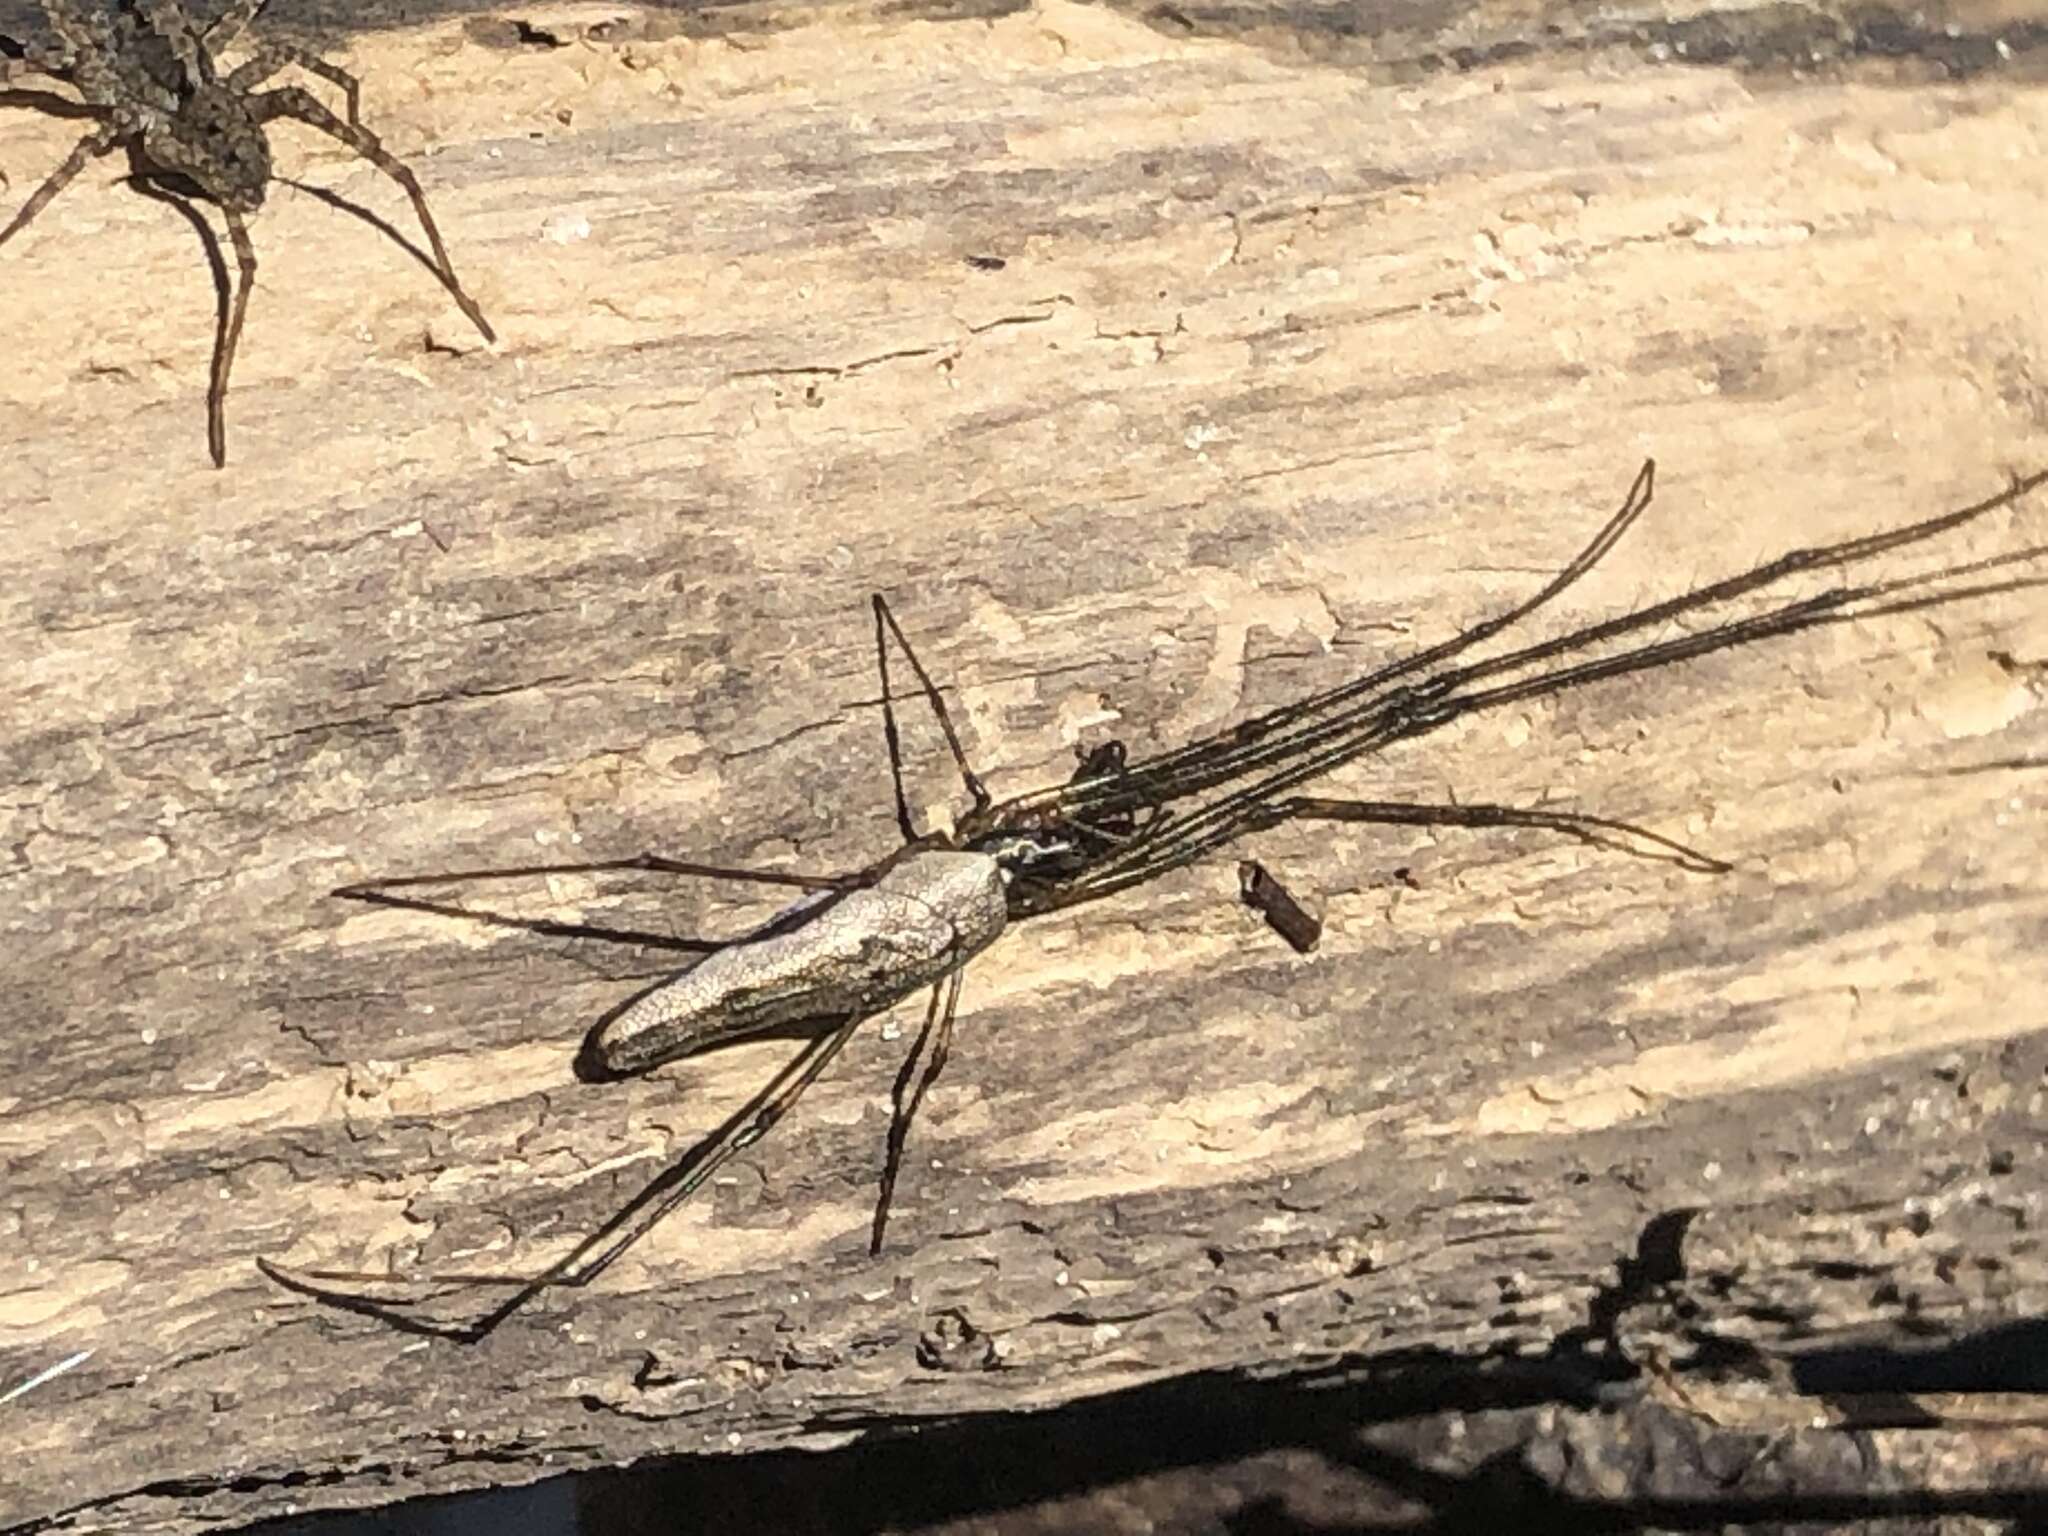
<point x="150" y="75"/>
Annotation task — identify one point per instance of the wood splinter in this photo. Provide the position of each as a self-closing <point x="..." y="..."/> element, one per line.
<point x="1264" y="894"/>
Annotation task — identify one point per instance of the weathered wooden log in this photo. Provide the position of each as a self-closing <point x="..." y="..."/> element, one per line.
<point x="1159" y="368"/>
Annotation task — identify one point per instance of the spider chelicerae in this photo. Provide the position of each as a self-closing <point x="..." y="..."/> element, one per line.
<point x="150" y="74"/>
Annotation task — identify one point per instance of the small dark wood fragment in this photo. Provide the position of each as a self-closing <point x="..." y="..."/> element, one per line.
<point x="1276" y="904"/>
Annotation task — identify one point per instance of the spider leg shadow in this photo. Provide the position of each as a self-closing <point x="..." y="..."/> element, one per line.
<point x="379" y="224"/>
<point x="371" y="217"/>
<point x="49" y="103"/>
<point x="154" y="184"/>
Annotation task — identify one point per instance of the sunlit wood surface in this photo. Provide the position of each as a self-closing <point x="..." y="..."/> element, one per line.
<point x="1159" y="367"/>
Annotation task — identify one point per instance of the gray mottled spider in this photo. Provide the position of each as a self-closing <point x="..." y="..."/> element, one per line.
<point x="150" y="74"/>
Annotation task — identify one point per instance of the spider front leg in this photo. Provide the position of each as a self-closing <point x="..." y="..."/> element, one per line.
<point x="297" y="103"/>
<point x="89" y="148"/>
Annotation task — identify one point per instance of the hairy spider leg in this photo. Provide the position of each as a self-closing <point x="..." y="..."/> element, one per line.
<point x="229" y="337"/>
<point x="901" y="1114"/>
<point x="939" y="1017"/>
<point x="892" y="737"/>
<point x="886" y="627"/>
<point x="1641" y="492"/>
<point x="234" y="299"/>
<point x="88" y="149"/>
<point x="1287" y="917"/>
<point x="145" y="183"/>
<point x="602" y="1248"/>
<point x="270" y="57"/>
<point x="657" y="862"/>
<point x="299" y="104"/>
<point x="231" y="22"/>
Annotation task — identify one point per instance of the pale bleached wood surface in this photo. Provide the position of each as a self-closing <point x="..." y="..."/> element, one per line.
<point x="1302" y="347"/>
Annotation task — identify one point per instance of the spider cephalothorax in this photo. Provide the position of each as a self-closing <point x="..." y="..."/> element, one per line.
<point x="214" y="144"/>
<point x="150" y="74"/>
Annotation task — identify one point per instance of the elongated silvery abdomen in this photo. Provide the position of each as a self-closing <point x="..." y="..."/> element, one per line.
<point x="858" y="953"/>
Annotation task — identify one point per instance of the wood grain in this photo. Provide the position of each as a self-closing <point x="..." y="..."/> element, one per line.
<point x="1158" y="370"/>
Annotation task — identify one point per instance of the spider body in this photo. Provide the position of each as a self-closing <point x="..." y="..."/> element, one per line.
<point x="213" y="143"/>
<point x="169" y="96"/>
<point x="151" y="77"/>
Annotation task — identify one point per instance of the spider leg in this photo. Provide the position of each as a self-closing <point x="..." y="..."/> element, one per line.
<point x="91" y="147"/>
<point x="230" y="301"/>
<point x="1595" y="831"/>
<point x="626" y="1226"/>
<point x="228" y="25"/>
<point x="940" y="1014"/>
<point x="269" y="58"/>
<point x="228" y="337"/>
<point x="885" y="627"/>
<point x="661" y="864"/>
<point x="891" y="736"/>
<point x="299" y="104"/>
<point x="398" y="892"/>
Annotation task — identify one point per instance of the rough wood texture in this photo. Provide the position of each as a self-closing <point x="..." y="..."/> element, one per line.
<point x="1307" y="340"/>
